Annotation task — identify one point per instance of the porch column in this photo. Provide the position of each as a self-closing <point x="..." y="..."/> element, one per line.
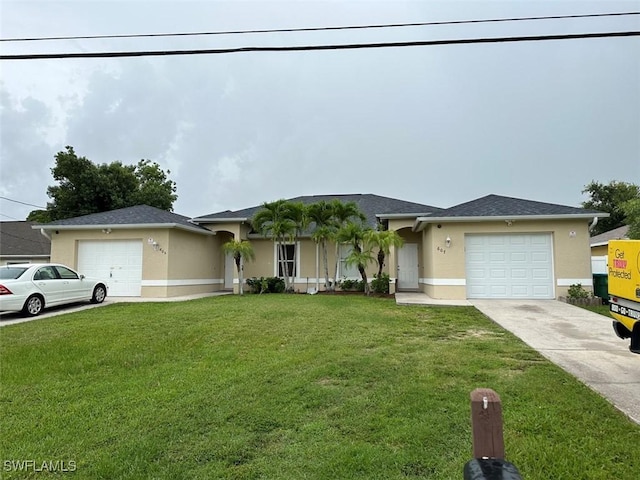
<point x="392" y="265"/>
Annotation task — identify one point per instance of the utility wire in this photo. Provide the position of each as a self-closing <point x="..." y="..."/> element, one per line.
<point x="465" y="41"/>
<point x="318" y="29"/>
<point x="23" y="203"/>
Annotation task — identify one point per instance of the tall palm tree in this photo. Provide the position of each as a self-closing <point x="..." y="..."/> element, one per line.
<point x="283" y="221"/>
<point x="342" y="214"/>
<point x="355" y="234"/>
<point x="240" y="250"/>
<point x="384" y="240"/>
<point x="297" y="213"/>
<point x="320" y="215"/>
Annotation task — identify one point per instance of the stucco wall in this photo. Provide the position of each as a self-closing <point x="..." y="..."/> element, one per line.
<point x="445" y="266"/>
<point x="600" y="251"/>
<point x="183" y="262"/>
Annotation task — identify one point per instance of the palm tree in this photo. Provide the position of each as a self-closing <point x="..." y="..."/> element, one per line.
<point x="241" y="250"/>
<point x="384" y="240"/>
<point x="355" y="234"/>
<point x="320" y="214"/>
<point x="343" y="213"/>
<point x="282" y="221"/>
<point x="297" y="213"/>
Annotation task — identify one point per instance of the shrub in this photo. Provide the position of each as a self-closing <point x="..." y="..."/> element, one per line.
<point x="380" y="284"/>
<point x="351" y="285"/>
<point x="577" y="292"/>
<point x="275" y="285"/>
<point x="266" y="285"/>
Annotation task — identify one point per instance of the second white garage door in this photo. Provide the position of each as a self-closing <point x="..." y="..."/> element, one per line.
<point x="509" y="266"/>
<point x="119" y="262"/>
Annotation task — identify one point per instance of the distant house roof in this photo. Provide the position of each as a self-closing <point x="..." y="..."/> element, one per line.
<point x="19" y="239"/>
<point x="373" y="206"/>
<point x="126" y="218"/>
<point x="496" y="207"/>
<point x="619" y="233"/>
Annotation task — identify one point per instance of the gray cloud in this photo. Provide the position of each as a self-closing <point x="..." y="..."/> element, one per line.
<point x="437" y="125"/>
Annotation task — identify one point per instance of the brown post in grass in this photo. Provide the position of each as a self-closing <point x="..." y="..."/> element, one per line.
<point x="486" y="423"/>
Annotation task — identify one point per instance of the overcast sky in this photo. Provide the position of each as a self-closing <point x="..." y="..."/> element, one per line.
<point x="438" y="125"/>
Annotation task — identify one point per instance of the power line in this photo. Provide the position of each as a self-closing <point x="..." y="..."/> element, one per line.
<point x="9" y="216"/>
<point x="318" y="29"/>
<point x="22" y="203"/>
<point x="464" y="41"/>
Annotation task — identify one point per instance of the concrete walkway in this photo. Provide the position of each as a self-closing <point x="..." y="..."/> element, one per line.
<point x="579" y="341"/>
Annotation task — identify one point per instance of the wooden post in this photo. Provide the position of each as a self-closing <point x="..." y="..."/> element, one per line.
<point x="486" y="423"/>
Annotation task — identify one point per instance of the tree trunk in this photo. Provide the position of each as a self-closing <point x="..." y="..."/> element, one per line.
<point x="283" y="264"/>
<point x="238" y="260"/>
<point x="325" y="257"/>
<point x="363" y="273"/>
<point x="380" y="262"/>
<point x="335" y="276"/>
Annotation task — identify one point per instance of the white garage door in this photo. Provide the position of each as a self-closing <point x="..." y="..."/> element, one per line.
<point x="119" y="262"/>
<point x="509" y="266"/>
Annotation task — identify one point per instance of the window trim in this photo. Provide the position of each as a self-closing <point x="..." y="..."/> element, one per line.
<point x="276" y="266"/>
<point x="343" y="252"/>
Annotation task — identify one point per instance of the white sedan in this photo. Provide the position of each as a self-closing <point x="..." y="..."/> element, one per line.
<point x="31" y="287"/>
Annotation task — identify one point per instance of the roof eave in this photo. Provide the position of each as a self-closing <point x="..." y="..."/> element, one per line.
<point x="422" y="222"/>
<point x="391" y="216"/>
<point x="219" y="220"/>
<point x="130" y="226"/>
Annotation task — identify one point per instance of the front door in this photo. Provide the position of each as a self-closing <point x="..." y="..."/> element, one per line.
<point x="229" y="266"/>
<point x="408" y="267"/>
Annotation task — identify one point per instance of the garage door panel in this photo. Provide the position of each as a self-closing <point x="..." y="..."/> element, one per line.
<point x="498" y="291"/>
<point x="498" y="274"/>
<point x="518" y="273"/>
<point x="497" y="257"/>
<point x="509" y="266"/>
<point x="517" y="240"/>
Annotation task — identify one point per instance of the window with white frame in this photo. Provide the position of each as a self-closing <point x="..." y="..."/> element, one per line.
<point x="290" y="260"/>
<point x="347" y="271"/>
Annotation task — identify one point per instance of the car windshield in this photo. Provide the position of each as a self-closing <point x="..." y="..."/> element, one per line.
<point x="7" y="273"/>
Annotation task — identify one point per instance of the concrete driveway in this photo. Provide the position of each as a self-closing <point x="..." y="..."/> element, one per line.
<point x="581" y="342"/>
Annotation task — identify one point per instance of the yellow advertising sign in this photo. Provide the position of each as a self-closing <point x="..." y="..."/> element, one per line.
<point x="624" y="269"/>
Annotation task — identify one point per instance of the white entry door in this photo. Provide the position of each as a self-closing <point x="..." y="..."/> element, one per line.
<point x="229" y="268"/>
<point x="408" y="267"/>
<point x="118" y="262"/>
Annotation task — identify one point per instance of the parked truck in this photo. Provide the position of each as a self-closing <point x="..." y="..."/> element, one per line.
<point x="624" y="289"/>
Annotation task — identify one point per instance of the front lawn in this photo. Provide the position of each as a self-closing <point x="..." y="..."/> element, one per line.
<point x="289" y="387"/>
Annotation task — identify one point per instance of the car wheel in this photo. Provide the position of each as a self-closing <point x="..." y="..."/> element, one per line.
<point x="33" y="306"/>
<point x="99" y="294"/>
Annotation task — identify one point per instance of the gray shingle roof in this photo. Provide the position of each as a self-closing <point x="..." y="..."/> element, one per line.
<point x="499" y="206"/>
<point x="20" y="239"/>
<point x="615" y="234"/>
<point x="137" y="215"/>
<point x="371" y="205"/>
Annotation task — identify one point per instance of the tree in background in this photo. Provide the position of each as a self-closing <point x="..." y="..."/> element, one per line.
<point x="631" y="210"/>
<point x="611" y="198"/>
<point x="240" y="250"/>
<point x="84" y="187"/>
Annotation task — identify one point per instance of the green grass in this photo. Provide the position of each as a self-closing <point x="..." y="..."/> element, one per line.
<point x="601" y="309"/>
<point x="291" y="387"/>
